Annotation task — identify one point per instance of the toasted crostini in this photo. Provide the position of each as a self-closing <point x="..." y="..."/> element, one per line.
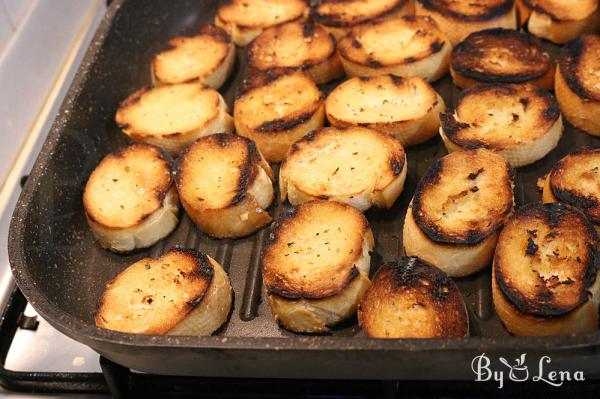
<point x="246" y="19"/>
<point x="557" y="20"/>
<point x="355" y="165"/>
<point x="130" y="199"/>
<point x="459" y="18"/>
<point x="296" y="46"/>
<point x="340" y="16"/>
<point x="316" y="265"/>
<point x="184" y="292"/>
<point x="172" y="116"/>
<point x="575" y="180"/>
<point x="521" y="122"/>
<point x="406" y="46"/>
<point x="408" y="108"/>
<point x="458" y="208"/>
<point x="501" y="55"/>
<point x="276" y="110"/>
<point x="578" y="83"/>
<point x="225" y="185"/>
<point x="207" y="57"/>
<point x="411" y="299"/>
<point x="545" y="277"/>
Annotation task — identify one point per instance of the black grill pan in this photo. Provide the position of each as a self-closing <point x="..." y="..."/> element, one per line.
<point x="62" y="272"/>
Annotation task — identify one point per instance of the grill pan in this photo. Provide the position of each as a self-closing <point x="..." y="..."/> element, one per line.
<point x="62" y="271"/>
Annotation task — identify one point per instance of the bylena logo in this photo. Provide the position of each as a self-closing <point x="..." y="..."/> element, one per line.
<point x="517" y="371"/>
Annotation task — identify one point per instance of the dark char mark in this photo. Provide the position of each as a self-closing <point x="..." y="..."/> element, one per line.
<point x="440" y="6"/>
<point x="570" y="58"/>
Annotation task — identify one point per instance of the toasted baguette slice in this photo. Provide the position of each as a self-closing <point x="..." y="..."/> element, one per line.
<point x="130" y="199"/>
<point x="545" y="279"/>
<point x="458" y="209"/>
<point x="406" y="46"/>
<point x="340" y="16"/>
<point x="225" y="185"/>
<point x="520" y="122"/>
<point x="578" y="83"/>
<point x="355" y="165"/>
<point x="459" y="18"/>
<point x="407" y="108"/>
<point x="276" y="110"/>
<point x="316" y="265"/>
<point x="575" y="180"/>
<point x="501" y="55"/>
<point x="172" y="116"/>
<point x="557" y="20"/>
<point x="183" y="292"/>
<point x="296" y="46"/>
<point x="411" y="299"/>
<point x="244" y="20"/>
<point x="207" y="57"/>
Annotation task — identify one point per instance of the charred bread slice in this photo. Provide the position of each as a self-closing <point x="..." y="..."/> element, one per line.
<point x="458" y="209"/>
<point x="296" y="46"/>
<point x="557" y="20"/>
<point x="246" y="19"/>
<point x="545" y="274"/>
<point x="406" y="46"/>
<point x="578" y="83"/>
<point x="207" y="57"/>
<point x="459" y="18"/>
<point x="355" y="165"/>
<point x="184" y="292"/>
<point x="225" y="185"/>
<point x="275" y="110"/>
<point x="340" y="16"/>
<point x="520" y="122"/>
<point x="316" y="265"/>
<point x="410" y="299"/>
<point x="501" y="55"/>
<point x="130" y="199"/>
<point x="408" y="108"/>
<point x="575" y="180"/>
<point x="172" y="116"/>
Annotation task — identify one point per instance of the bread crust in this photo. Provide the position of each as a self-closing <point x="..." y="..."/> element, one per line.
<point x="412" y="299"/>
<point x="275" y="110"/>
<point x="225" y="185"/>
<point x="187" y="111"/>
<point x="407" y="108"/>
<point x="520" y="122"/>
<point x="578" y="83"/>
<point x="501" y="55"/>
<point x="355" y="165"/>
<point x="460" y="205"/>
<point x="207" y="57"/>
<point x="574" y="180"/>
<point x="316" y="265"/>
<point x="340" y="16"/>
<point x="545" y="271"/>
<point x="129" y="198"/>
<point x="244" y="20"/>
<point x="458" y="19"/>
<point x="406" y="46"/>
<point x="559" y="21"/>
<point x="293" y="47"/>
<point x="169" y="295"/>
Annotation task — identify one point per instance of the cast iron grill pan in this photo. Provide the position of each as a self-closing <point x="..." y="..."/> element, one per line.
<point x="62" y="271"/>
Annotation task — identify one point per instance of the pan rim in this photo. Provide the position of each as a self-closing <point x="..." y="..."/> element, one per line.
<point x="89" y="334"/>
